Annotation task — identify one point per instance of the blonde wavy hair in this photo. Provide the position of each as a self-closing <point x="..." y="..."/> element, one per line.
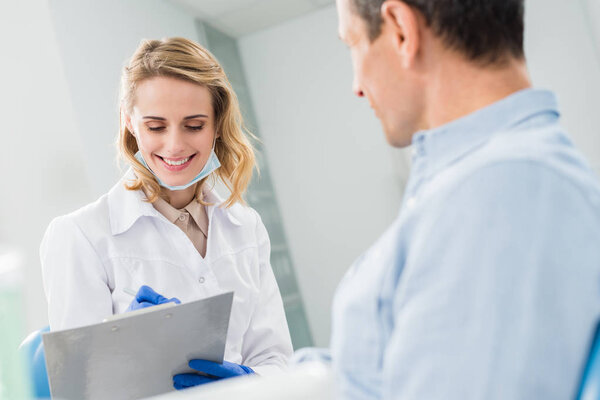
<point x="184" y="59"/>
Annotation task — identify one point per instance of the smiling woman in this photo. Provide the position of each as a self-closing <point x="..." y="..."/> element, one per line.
<point x="163" y="228"/>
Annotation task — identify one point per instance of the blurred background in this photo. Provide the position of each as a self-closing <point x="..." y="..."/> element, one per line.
<point x="329" y="183"/>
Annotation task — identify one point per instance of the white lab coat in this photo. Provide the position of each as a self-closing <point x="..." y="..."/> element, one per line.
<point x="89" y="256"/>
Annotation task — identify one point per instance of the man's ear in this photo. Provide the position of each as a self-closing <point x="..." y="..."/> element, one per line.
<point x="402" y="22"/>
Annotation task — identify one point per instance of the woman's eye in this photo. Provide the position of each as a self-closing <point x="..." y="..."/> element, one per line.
<point x="195" y="127"/>
<point x="156" y="128"/>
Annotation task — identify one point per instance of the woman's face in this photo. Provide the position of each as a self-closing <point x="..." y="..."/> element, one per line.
<point x="174" y="125"/>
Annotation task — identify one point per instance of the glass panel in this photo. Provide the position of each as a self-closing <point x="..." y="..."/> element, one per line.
<point x="260" y="193"/>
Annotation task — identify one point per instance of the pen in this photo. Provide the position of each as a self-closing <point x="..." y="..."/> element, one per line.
<point x="130" y="291"/>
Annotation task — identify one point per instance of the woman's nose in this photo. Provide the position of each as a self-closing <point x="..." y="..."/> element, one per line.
<point x="175" y="144"/>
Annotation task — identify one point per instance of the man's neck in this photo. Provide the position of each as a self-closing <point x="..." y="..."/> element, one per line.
<point x="459" y="88"/>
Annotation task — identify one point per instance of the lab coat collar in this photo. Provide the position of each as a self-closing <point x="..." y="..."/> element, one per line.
<point x="127" y="206"/>
<point x="217" y="203"/>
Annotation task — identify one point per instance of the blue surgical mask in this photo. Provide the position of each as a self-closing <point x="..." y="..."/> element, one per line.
<point x="211" y="165"/>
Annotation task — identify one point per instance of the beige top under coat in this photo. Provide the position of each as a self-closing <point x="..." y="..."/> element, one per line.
<point x="191" y="219"/>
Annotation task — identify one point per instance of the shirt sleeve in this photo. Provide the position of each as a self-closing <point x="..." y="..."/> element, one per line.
<point x="267" y="345"/>
<point x="499" y="294"/>
<point x="74" y="278"/>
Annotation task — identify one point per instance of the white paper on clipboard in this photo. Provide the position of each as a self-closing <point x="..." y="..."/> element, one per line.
<point x="136" y="356"/>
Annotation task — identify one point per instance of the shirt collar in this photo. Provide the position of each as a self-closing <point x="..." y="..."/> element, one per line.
<point x="435" y="149"/>
<point x="200" y="216"/>
<point x="194" y="209"/>
<point x="125" y="206"/>
<point x="170" y="212"/>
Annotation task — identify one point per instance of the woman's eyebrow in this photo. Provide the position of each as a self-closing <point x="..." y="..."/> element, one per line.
<point x="196" y="116"/>
<point x="185" y="118"/>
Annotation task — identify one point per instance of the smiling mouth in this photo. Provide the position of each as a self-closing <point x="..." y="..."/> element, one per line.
<point x="177" y="162"/>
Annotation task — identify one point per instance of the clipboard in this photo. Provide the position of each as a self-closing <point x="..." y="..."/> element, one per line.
<point x="136" y="356"/>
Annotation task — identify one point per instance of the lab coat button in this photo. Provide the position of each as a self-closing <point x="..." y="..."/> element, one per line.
<point x="201" y="279"/>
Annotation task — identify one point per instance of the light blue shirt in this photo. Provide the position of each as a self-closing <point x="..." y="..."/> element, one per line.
<point x="487" y="285"/>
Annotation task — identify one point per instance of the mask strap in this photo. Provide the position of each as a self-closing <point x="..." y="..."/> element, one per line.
<point x="214" y="142"/>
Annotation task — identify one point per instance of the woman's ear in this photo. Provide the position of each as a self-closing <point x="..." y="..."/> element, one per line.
<point x="126" y="118"/>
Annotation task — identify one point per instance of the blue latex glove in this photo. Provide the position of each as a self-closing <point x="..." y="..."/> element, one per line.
<point x="147" y="297"/>
<point x="212" y="372"/>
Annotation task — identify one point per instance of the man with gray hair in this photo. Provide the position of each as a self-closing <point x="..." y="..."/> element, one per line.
<point x="487" y="285"/>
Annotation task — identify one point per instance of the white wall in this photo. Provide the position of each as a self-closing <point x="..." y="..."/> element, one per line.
<point x="563" y="56"/>
<point x="41" y="167"/>
<point x="592" y="12"/>
<point x="333" y="173"/>
<point x="338" y="183"/>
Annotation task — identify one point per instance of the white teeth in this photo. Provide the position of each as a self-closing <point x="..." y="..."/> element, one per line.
<point x="183" y="161"/>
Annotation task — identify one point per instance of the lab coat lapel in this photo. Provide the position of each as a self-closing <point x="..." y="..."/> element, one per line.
<point x="127" y="206"/>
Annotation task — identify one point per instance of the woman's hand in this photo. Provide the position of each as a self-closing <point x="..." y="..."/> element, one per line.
<point x="209" y="372"/>
<point x="147" y="297"/>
